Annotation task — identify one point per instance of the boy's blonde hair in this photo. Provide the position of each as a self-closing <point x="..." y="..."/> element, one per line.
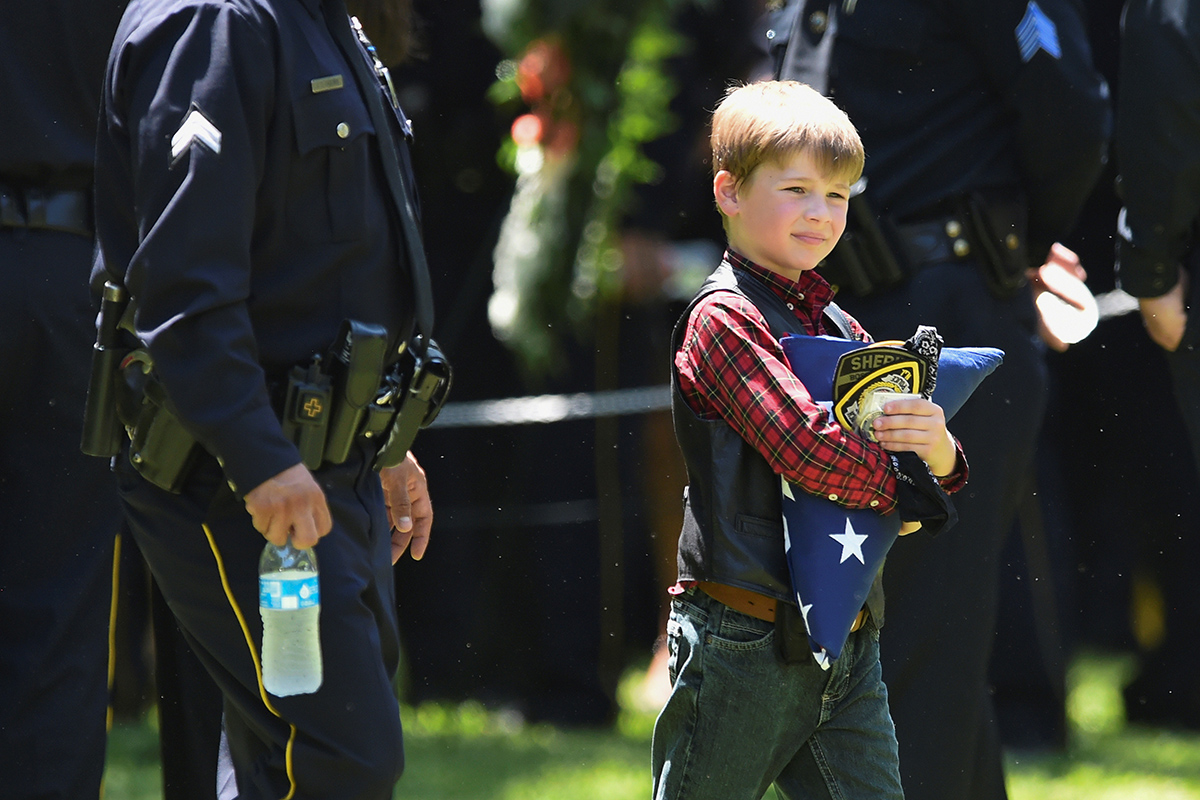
<point x="771" y="121"/>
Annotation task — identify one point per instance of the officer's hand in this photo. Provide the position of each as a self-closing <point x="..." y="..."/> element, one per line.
<point x="1061" y="324"/>
<point x="918" y="425"/>
<point x="291" y="503"/>
<point x="1166" y="317"/>
<point x="410" y="512"/>
<point x="909" y="527"/>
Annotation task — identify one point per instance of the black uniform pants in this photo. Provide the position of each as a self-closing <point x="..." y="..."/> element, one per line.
<point x="344" y="740"/>
<point x="58" y="521"/>
<point x="942" y="593"/>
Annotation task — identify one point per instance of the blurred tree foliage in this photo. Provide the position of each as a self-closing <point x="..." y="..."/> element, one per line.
<point x="585" y="82"/>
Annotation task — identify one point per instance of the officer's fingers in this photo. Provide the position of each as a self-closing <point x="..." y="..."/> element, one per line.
<point x="422" y="524"/>
<point x="304" y="532"/>
<point x="909" y="527"/>
<point x="399" y="505"/>
<point x="400" y="541"/>
<point x="275" y="530"/>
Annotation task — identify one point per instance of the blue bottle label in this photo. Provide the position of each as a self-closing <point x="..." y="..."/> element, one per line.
<point x="276" y="594"/>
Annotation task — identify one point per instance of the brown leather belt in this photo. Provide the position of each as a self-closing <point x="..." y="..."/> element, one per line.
<point x="753" y="604"/>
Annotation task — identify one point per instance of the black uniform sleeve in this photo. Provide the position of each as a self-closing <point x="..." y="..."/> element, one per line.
<point x="191" y="94"/>
<point x="1037" y="55"/>
<point x="1158" y="143"/>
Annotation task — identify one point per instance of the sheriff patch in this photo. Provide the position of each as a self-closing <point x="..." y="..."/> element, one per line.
<point x="882" y="367"/>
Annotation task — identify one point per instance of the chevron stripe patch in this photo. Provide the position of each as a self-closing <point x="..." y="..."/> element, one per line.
<point x="1036" y="32"/>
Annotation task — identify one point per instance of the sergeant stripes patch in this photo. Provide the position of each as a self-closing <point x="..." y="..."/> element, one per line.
<point x="1036" y="32"/>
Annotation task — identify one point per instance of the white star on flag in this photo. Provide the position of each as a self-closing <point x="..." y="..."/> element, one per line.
<point x="851" y="543"/>
<point x="195" y="128"/>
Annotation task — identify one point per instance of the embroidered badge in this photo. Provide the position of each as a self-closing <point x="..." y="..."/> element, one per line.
<point x="1036" y="32"/>
<point x="195" y="128"/>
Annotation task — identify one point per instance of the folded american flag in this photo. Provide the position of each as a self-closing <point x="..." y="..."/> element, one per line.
<point x="833" y="552"/>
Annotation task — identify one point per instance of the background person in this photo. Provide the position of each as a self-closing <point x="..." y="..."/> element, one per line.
<point x="243" y="206"/>
<point x="1158" y="158"/>
<point x="59" y="506"/>
<point x="986" y="127"/>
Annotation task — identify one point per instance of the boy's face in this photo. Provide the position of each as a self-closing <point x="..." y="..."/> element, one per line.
<point x="785" y="217"/>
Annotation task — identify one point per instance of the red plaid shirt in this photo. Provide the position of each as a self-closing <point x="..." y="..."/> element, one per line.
<point x="731" y="367"/>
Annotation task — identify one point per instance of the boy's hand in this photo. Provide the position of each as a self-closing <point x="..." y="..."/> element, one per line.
<point x="909" y="527"/>
<point x="918" y="425"/>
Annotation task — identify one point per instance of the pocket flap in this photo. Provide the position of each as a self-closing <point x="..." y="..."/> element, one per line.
<point x="331" y="119"/>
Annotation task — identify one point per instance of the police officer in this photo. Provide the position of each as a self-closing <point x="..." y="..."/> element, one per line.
<point x="985" y="127"/>
<point x="58" y="507"/>
<point x="247" y="173"/>
<point x="1158" y="158"/>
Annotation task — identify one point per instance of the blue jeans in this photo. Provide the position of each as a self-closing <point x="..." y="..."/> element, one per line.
<point x="740" y="719"/>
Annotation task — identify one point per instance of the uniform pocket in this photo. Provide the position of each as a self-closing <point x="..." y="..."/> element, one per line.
<point x="327" y="191"/>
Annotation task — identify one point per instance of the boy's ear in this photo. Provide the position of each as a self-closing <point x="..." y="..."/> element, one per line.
<point x="725" y="190"/>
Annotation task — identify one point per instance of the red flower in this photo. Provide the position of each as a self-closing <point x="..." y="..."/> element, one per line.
<point x="542" y="70"/>
<point x="527" y="129"/>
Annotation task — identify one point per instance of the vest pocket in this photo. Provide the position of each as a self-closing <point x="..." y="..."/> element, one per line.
<point x="758" y="526"/>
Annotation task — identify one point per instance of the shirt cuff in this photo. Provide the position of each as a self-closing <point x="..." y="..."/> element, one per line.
<point x="1144" y="273"/>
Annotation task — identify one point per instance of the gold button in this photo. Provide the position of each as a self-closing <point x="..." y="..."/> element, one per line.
<point x="961" y="248"/>
<point x="818" y="21"/>
<point x="833" y="496"/>
<point x="953" y="228"/>
<point x="343" y="130"/>
<point x="1012" y="241"/>
<point x="874" y="503"/>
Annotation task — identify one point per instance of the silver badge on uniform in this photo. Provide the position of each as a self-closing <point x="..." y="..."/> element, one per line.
<point x="1036" y="32"/>
<point x="195" y="128"/>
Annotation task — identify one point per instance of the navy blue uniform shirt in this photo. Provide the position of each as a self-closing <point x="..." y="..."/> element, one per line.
<point x="952" y="96"/>
<point x="51" y="91"/>
<point x="241" y="200"/>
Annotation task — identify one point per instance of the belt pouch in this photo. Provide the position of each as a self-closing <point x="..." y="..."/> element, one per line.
<point x="997" y="232"/>
<point x="160" y="448"/>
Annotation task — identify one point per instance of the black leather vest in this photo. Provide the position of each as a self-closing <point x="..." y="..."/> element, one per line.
<point x="733" y="518"/>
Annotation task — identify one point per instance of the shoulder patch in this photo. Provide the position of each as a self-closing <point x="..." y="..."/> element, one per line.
<point x="196" y="128"/>
<point x="1036" y="32"/>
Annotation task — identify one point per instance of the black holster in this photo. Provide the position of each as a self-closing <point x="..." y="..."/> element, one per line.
<point x="867" y="259"/>
<point x="342" y="396"/>
<point x="997" y="225"/>
<point x="160" y="448"/>
<point x="416" y="391"/>
<point x="125" y="399"/>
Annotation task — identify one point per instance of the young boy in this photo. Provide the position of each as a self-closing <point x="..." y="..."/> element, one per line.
<point x="740" y="717"/>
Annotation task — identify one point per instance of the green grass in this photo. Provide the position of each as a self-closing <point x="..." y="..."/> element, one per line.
<point x="467" y="753"/>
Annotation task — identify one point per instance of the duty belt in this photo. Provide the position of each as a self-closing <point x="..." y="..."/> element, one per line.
<point x="933" y="242"/>
<point x="66" y="210"/>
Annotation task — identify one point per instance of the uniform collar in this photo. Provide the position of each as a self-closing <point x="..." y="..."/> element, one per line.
<point x="810" y="294"/>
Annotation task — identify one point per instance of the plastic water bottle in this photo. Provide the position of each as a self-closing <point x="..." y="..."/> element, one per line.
<point x="289" y="600"/>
